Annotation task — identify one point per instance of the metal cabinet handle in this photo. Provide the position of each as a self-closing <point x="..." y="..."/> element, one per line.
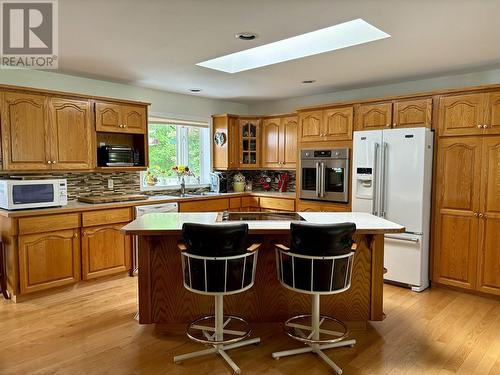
<point x="479" y="126"/>
<point x="476" y="214"/>
<point x="485" y="126"/>
<point x="49" y="162"/>
<point x="53" y="161"/>
<point x="481" y="215"/>
<point x="317" y="180"/>
<point x="388" y="125"/>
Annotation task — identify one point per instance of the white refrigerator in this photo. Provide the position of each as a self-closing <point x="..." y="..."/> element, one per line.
<point x="392" y="173"/>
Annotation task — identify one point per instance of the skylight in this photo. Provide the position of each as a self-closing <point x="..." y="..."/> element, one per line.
<point x="331" y="38"/>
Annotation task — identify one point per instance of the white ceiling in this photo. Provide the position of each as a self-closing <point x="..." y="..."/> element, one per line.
<point x="155" y="43"/>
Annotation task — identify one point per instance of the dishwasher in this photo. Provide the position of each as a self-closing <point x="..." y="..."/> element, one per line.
<point x="149" y="209"/>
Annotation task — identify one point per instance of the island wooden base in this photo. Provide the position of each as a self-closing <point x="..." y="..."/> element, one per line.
<point x="163" y="298"/>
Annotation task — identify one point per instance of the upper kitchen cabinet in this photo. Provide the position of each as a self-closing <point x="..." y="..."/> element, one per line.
<point x="46" y="133"/>
<point x="71" y="134"/>
<point x="225" y="141"/>
<point x="412" y="113"/>
<point x="271" y="155"/>
<point x="492" y="123"/>
<point x="310" y="126"/>
<point x="462" y="114"/>
<point x="279" y="143"/>
<point x="249" y="146"/>
<point x="337" y="124"/>
<point x="25" y="132"/>
<point x="333" y="124"/>
<point x="373" y="116"/>
<point x="120" y="118"/>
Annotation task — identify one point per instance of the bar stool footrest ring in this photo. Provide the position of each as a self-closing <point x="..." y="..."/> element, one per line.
<point x="294" y="329"/>
<point x="209" y="331"/>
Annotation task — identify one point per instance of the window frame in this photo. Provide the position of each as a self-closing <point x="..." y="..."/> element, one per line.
<point x="182" y="128"/>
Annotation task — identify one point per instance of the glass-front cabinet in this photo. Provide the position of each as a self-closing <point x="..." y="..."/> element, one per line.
<point x="249" y="143"/>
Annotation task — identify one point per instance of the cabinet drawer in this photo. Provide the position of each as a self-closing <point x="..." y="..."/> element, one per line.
<point x="101" y="217"/>
<point x="250" y="202"/>
<point x="235" y="202"/>
<point x="307" y="206"/>
<point x="48" y="223"/>
<point x="280" y="204"/>
<point x="206" y="205"/>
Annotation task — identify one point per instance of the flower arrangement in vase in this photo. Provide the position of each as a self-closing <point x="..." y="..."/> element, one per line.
<point x="182" y="171"/>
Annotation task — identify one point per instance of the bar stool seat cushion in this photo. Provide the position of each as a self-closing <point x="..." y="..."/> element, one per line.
<point x="222" y="240"/>
<point x="319" y="240"/>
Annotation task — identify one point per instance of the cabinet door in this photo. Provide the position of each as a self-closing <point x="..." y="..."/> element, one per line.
<point x="310" y="126"/>
<point x="233" y="143"/>
<point x="108" y="117"/>
<point x="133" y="119"/>
<point x="374" y="116"/>
<point x="48" y="260"/>
<point x="337" y="124"/>
<point x="461" y="114"/>
<point x="492" y="122"/>
<point x="25" y="132"/>
<point x="71" y="134"/>
<point x="457" y="201"/>
<point x="489" y="252"/>
<point x="271" y="153"/>
<point x="289" y="142"/>
<point x="105" y="251"/>
<point x="412" y="113"/>
<point x="249" y="133"/>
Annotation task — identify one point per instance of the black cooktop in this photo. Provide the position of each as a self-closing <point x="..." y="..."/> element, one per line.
<point x="251" y="216"/>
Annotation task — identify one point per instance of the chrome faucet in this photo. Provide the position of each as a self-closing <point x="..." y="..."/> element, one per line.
<point x="183" y="187"/>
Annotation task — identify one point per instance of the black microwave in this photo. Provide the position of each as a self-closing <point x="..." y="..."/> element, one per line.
<point x="117" y="156"/>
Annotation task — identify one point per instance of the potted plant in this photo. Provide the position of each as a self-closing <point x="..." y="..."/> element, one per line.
<point x="239" y="183"/>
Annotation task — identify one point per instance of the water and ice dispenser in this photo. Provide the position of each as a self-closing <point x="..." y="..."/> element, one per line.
<point x="364" y="183"/>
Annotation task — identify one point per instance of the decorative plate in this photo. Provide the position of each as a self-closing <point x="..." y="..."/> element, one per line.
<point x="219" y="138"/>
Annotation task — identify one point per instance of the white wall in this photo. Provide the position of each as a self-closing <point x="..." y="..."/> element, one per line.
<point x="162" y="102"/>
<point x="407" y="87"/>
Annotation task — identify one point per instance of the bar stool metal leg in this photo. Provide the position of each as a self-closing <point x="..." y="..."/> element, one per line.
<point x="218" y="337"/>
<point x="314" y="335"/>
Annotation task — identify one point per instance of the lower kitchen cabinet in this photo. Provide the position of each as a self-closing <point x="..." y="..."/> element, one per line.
<point x="105" y="251"/>
<point x="48" y="260"/>
<point x="311" y="206"/>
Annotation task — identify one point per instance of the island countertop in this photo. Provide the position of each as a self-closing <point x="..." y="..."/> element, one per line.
<point x="171" y="223"/>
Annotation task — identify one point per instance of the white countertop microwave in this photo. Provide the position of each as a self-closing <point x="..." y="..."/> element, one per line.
<point x="23" y="194"/>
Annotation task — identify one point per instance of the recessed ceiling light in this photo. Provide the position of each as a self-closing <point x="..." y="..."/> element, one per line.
<point x="335" y="37"/>
<point x="195" y="90"/>
<point x="309" y="81"/>
<point x="246" y="35"/>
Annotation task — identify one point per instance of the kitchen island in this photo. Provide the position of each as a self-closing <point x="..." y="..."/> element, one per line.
<point x="164" y="300"/>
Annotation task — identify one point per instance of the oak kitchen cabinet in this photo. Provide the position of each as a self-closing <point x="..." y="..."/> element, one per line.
<point x="46" y="133"/>
<point x="225" y="138"/>
<point x="105" y="249"/>
<point x="120" y="118"/>
<point x="249" y="145"/>
<point x="403" y="113"/>
<point x="466" y="251"/>
<point x="279" y="143"/>
<point x="333" y="124"/>
<point x="469" y="114"/>
<point x="49" y="251"/>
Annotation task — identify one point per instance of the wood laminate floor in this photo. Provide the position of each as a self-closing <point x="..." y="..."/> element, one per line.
<point x="90" y="330"/>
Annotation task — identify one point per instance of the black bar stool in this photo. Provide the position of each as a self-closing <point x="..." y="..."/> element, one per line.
<point x="318" y="262"/>
<point x="216" y="262"/>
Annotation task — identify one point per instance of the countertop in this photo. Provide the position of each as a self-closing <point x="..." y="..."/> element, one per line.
<point x="171" y="223"/>
<point x="75" y="206"/>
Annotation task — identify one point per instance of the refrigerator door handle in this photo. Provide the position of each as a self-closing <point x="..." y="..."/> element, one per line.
<point x="401" y="238"/>
<point x="383" y="181"/>
<point x="374" y="180"/>
<point x="318" y="180"/>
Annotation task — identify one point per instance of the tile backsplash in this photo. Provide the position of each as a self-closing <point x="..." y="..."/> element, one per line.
<point x="84" y="184"/>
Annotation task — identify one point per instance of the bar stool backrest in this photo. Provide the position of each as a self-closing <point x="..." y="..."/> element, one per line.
<point x="320" y="258"/>
<point x="216" y="260"/>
